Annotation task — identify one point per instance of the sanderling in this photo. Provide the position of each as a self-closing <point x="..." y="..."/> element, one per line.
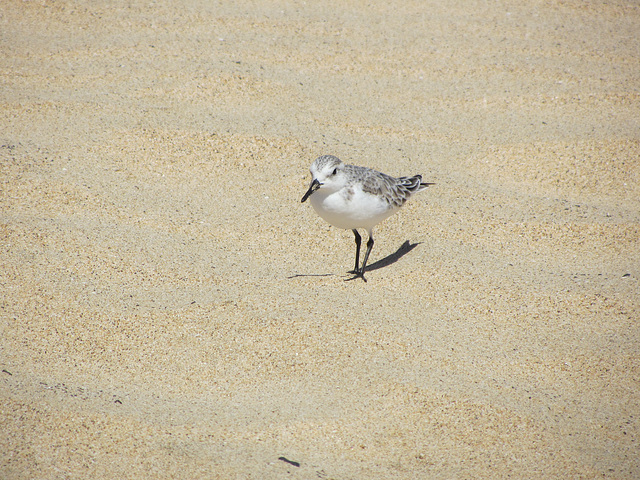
<point x="353" y="197"/>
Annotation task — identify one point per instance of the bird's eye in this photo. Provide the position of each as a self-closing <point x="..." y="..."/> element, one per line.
<point x="335" y="170"/>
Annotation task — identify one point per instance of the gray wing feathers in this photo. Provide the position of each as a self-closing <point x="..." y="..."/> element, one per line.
<point x="395" y="190"/>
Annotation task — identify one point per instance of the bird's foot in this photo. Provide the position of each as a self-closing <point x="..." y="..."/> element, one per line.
<point x="356" y="274"/>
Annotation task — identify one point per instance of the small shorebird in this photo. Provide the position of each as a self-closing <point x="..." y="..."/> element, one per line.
<point x="353" y="197"/>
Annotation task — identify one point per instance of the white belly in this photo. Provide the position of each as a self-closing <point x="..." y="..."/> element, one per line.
<point x="358" y="210"/>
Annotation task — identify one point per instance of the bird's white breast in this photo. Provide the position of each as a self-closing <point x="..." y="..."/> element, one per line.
<point x="350" y="208"/>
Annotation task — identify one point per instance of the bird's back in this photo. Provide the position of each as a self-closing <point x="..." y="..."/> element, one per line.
<point x="394" y="190"/>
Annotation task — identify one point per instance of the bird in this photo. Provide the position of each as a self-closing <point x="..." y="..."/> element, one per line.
<point x="352" y="197"/>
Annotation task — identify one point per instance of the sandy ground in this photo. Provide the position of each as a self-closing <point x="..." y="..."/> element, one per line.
<point x="169" y="308"/>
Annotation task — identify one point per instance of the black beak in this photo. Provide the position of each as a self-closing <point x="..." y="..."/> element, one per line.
<point x="312" y="188"/>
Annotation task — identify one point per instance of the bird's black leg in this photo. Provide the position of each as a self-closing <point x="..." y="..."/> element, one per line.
<point x="356" y="270"/>
<point x="366" y="257"/>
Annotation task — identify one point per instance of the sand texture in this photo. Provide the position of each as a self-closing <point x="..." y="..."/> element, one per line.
<point x="169" y="308"/>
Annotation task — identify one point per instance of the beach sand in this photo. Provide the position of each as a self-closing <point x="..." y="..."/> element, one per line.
<point x="169" y="308"/>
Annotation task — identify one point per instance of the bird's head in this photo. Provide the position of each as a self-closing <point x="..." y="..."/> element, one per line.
<point x="327" y="172"/>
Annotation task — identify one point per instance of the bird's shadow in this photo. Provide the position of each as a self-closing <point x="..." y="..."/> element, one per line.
<point x="312" y="275"/>
<point x="392" y="258"/>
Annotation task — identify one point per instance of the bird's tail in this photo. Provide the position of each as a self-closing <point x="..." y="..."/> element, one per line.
<point x="414" y="184"/>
